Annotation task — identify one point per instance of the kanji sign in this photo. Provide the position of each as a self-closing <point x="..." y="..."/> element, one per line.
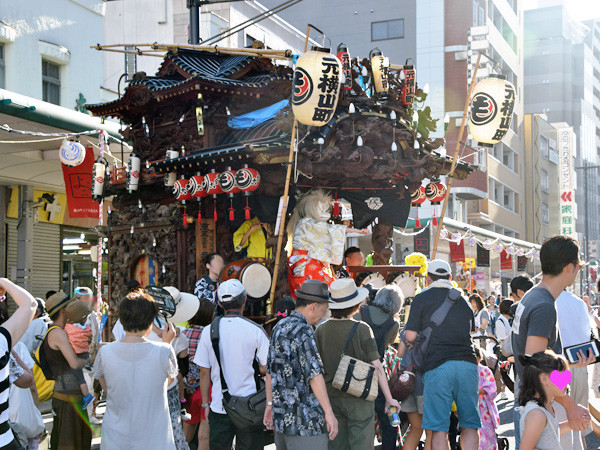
<point x="566" y="182"/>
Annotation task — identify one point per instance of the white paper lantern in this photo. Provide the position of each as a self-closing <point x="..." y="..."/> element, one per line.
<point x="171" y="178"/>
<point x="491" y="109"/>
<point x="316" y="87"/>
<point x="379" y="67"/>
<point x="71" y="153"/>
<point x="133" y="174"/>
<point x="98" y="178"/>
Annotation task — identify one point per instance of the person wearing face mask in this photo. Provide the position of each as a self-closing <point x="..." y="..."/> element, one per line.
<point x="313" y="243"/>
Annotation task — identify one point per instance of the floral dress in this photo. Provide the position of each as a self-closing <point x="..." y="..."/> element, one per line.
<point x="490" y="419"/>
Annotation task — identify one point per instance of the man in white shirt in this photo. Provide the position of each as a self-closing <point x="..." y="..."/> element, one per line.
<point x="240" y="342"/>
<point x="575" y="328"/>
<point x="37" y="329"/>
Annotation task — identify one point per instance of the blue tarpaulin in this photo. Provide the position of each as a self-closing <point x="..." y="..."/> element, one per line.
<point x="255" y="118"/>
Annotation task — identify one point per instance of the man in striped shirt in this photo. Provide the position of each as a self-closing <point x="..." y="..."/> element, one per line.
<point x="10" y="332"/>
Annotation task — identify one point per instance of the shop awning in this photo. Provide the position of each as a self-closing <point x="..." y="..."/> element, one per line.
<point x="33" y="160"/>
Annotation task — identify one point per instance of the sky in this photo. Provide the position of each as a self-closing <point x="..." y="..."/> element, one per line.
<point x="579" y="9"/>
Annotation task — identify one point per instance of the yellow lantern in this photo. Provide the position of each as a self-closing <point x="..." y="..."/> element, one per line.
<point x="492" y="104"/>
<point x="379" y="66"/>
<point x="316" y="87"/>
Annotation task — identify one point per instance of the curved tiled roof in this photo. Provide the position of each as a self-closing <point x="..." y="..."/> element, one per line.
<point x="208" y="64"/>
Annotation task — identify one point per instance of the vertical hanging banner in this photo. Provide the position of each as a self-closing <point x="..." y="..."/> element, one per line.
<point x="483" y="256"/>
<point x="521" y="263"/>
<point x="506" y="262"/>
<point x="566" y="181"/>
<point x="457" y="251"/>
<point x="78" y="186"/>
<point x="422" y="243"/>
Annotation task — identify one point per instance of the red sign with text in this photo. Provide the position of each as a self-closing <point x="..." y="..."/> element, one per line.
<point x="78" y="186"/>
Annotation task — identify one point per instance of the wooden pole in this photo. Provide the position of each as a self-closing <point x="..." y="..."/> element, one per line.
<point x="214" y="49"/>
<point x="281" y="231"/>
<point x="455" y="160"/>
<point x="286" y="192"/>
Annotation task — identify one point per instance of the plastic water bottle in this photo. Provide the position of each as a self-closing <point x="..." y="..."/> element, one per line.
<point x="393" y="415"/>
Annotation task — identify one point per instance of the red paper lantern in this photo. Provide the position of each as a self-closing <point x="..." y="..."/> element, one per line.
<point x="435" y="192"/>
<point x="180" y="190"/>
<point x="418" y="197"/>
<point x="227" y="182"/>
<point x="195" y="186"/>
<point x="211" y="184"/>
<point x="247" y="180"/>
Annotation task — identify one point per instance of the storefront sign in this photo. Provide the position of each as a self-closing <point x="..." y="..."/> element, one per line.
<point x="205" y="244"/>
<point x="566" y="181"/>
<point x="78" y="185"/>
<point x="483" y="256"/>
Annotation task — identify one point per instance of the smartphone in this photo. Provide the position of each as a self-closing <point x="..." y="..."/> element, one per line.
<point x="572" y="352"/>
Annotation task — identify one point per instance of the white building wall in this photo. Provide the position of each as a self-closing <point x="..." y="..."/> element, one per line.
<point x="61" y="31"/>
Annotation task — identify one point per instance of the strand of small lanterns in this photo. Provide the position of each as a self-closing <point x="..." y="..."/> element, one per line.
<point x="489" y="244"/>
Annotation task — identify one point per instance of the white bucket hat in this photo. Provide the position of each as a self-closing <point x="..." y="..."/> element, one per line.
<point x="186" y="305"/>
<point x="345" y="294"/>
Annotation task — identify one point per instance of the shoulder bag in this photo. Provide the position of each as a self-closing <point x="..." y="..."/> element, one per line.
<point x="354" y="376"/>
<point x="246" y="413"/>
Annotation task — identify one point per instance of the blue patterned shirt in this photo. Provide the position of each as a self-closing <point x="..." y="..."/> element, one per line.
<point x="292" y="362"/>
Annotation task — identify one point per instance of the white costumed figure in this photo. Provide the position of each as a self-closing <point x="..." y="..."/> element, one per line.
<point x="315" y="243"/>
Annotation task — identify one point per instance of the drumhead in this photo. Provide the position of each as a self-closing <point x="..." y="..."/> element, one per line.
<point x="407" y="284"/>
<point x="256" y="279"/>
<point x="376" y="280"/>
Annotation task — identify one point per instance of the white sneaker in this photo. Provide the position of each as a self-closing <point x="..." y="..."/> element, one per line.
<point x="95" y="420"/>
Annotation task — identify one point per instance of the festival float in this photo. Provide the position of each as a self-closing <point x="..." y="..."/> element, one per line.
<point x="228" y="138"/>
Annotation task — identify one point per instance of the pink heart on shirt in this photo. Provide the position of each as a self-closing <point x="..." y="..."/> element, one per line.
<point x="561" y="379"/>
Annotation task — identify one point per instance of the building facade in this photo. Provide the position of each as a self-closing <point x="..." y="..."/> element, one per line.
<point x="562" y="82"/>
<point x="47" y="73"/>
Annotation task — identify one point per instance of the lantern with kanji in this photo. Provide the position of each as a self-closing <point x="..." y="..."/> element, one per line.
<point x="98" y="178"/>
<point x="409" y="86"/>
<point x="435" y="193"/>
<point x="134" y="166"/>
<point x="344" y="56"/>
<point x="195" y="187"/>
<point x="492" y="104"/>
<point x="229" y="186"/>
<point x="379" y="67"/>
<point x="247" y="180"/>
<point x="212" y="187"/>
<point x="71" y="153"/>
<point x="416" y="199"/>
<point x="316" y="87"/>
<point x="180" y="191"/>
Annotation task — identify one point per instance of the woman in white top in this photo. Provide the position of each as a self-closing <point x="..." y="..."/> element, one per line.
<point x="503" y="329"/>
<point x="135" y="373"/>
<point x="482" y="316"/>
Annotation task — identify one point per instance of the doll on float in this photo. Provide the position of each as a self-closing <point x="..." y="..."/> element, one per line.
<point x="314" y="244"/>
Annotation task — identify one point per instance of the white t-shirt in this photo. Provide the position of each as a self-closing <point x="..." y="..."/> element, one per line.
<point x="573" y="319"/>
<point x="239" y="340"/>
<point x="179" y="344"/>
<point x="137" y="412"/>
<point x="37" y="327"/>
<point x="502" y="328"/>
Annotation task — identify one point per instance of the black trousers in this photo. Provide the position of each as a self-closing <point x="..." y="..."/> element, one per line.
<point x="388" y="433"/>
<point x="222" y="432"/>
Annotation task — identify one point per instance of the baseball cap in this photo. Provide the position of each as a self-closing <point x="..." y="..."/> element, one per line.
<point x="230" y="290"/>
<point x="439" y="267"/>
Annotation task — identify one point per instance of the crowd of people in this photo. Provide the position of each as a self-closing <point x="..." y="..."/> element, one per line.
<point x="221" y="378"/>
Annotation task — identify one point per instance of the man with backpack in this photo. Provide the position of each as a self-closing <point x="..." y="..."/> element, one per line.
<point x="232" y="353"/>
<point x="380" y="314"/>
<point x="449" y="365"/>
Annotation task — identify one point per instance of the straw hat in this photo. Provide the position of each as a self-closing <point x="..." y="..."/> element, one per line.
<point x="56" y="302"/>
<point x="345" y="294"/>
<point x="186" y="305"/>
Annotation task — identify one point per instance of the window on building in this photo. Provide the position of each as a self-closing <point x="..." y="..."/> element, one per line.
<point x="481" y="16"/>
<point x="130" y="62"/>
<point x="475" y="13"/>
<point x="544" y="146"/>
<point x="545" y="214"/>
<point x="2" y="68"/>
<point x="50" y="82"/>
<point x="544" y="180"/>
<point x="389" y="29"/>
<point x="249" y="40"/>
